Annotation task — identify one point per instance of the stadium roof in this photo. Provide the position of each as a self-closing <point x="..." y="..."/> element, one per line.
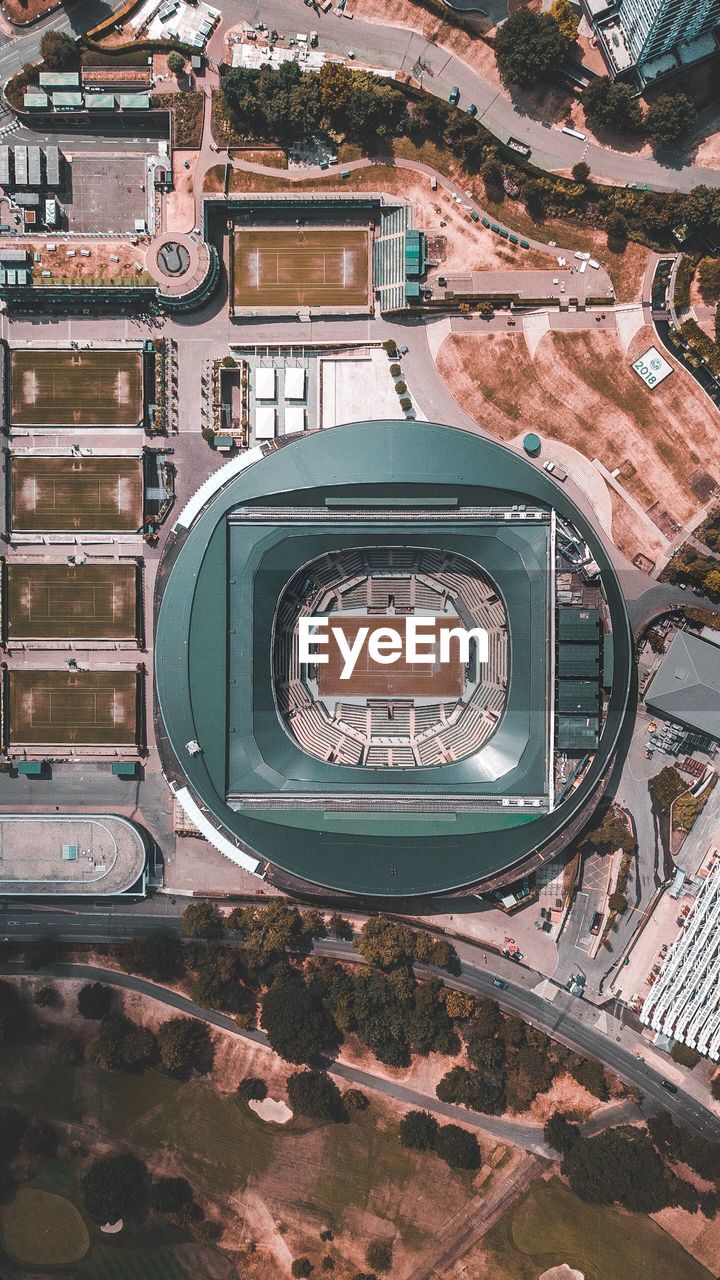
<point x="686" y="686"/>
<point x="363" y="830"/>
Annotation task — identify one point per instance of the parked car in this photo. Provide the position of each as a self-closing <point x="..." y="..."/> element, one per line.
<point x="454" y="96"/>
<point x="351" y="54"/>
<point x="596" y="925"/>
<point x="472" y="109"/>
<point x="498" y="982"/>
<point x="475" y="216"/>
<point x="667" y="1084"/>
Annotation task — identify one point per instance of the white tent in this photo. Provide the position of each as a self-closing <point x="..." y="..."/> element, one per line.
<point x="265" y="422"/>
<point x="265" y="384"/>
<point x="294" y="384"/>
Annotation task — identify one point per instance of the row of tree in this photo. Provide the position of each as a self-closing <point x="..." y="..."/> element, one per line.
<point x="632" y="1167"/>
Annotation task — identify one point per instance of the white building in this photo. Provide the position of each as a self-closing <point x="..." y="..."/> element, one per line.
<point x="652" y="38"/>
<point x="684" y="1001"/>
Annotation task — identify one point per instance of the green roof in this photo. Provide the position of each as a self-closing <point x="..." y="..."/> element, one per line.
<point x="67" y="100"/>
<point x="579" y="625"/>
<point x="578" y="660"/>
<point x="577" y="733"/>
<point x="576" y="697"/>
<point x="213" y="679"/>
<point x="134" y="101"/>
<point x="35" y="101"/>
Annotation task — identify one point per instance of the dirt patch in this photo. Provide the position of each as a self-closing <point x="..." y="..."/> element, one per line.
<point x="630" y="534"/>
<point x="580" y="389"/>
<point x="567" y="1096"/>
<point x="180" y="202"/>
<point x="696" y="1234"/>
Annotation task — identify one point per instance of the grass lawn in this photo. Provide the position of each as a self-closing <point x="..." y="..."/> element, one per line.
<point x="551" y="1226"/>
<point x="43" y="1229"/>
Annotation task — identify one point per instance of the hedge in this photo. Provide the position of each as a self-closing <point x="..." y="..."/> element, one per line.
<point x="702" y="346"/>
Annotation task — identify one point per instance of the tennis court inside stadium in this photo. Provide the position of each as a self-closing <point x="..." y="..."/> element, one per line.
<point x="76" y="493"/>
<point x="87" y="708"/>
<point x="60" y="387"/>
<point x="71" y="602"/>
<point x="401" y="678"/>
<point x="301" y="268"/>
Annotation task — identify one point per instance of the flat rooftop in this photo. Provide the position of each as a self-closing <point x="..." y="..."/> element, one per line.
<point x="75" y="493"/>
<point x="69" y="855"/>
<point x="64" y="387"/>
<point x="72" y="708"/>
<point x="71" y="601"/>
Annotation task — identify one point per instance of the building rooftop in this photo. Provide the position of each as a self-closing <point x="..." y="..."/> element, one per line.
<point x="73" y="855"/>
<point x="686" y="686"/>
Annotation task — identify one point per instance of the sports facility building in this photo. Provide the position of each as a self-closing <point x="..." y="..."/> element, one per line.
<point x="388" y="776"/>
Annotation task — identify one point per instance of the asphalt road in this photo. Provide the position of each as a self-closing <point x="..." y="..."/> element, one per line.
<point x="397" y="48"/>
<point x="562" y="1017"/>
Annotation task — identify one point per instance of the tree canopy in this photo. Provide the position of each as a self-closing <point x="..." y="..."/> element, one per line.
<point x="669" y="117"/>
<point x="59" y="51"/>
<point x="116" y="1187"/>
<point x="529" y="47"/>
<point x="298" y="1025"/>
<point x="184" y="1045"/>
<point x="94" y="1000"/>
<point x="418" y="1130"/>
<point x="314" y="1094"/>
<point x="201" y="920"/>
<point x="612" y="106"/>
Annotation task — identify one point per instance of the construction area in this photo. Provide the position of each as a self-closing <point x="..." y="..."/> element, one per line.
<point x="70" y="601"/>
<point x="318" y="268"/>
<point x="75" y="493"/>
<point x="68" y="387"/>
<point x="86" y="708"/>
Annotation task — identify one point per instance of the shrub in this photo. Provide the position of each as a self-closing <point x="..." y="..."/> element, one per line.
<point x="618" y="902"/>
<point x="390" y="347"/>
<point x="378" y="1255"/>
<point x="405" y="403"/>
<point x="301" y="1267"/>
<point x="94" y="1001"/>
<point x="395" y="370"/>
<point x="47" y="997"/>
<point x="581" y="171"/>
<point x="458" y="1148"/>
<point x="401" y="387"/>
<point x="176" y="63"/>
<point x="684" y="1055"/>
<point x="252" y="1089"/>
<point x="418" y="1130"/>
<point x="355" y="1100"/>
<point x="486" y="309"/>
<point x="314" y="1094"/>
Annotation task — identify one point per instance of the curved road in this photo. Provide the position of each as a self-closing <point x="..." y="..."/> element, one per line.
<point x="399" y="48"/>
<point x="581" y="1027"/>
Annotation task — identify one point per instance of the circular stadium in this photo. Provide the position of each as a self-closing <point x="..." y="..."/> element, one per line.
<point x="392" y="659"/>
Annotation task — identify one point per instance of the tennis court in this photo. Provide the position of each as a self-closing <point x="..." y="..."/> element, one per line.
<point x="76" y="493"/>
<point x="65" y="601"/>
<point x="301" y="268"/>
<point x="399" y="679"/>
<point x="61" y="387"/>
<point x="86" y="708"/>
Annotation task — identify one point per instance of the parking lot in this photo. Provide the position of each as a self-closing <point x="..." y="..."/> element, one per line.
<point x="106" y="192"/>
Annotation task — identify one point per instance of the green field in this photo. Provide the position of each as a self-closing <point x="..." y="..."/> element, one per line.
<point x="43" y="1229"/>
<point x="551" y="1226"/>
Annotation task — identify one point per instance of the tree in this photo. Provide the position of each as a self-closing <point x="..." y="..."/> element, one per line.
<point x="612" y="106"/>
<point x="616" y="227"/>
<point x="567" y="20"/>
<point x="458" y="1148"/>
<point x="355" y="1100"/>
<point x="666" y="786"/>
<point x="617" y="902"/>
<point x="711" y="583"/>
<point x="268" y="931"/>
<point x="301" y="1267"/>
<point x="385" y="943"/>
<point x="560" y="1133"/>
<point x="160" y="956"/>
<point x="298" y="1025"/>
<point x="529" y="47"/>
<point x="170" y="1195"/>
<point x="493" y="175"/>
<point x="139" y="1047"/>
<point x="184" y="1044"/>
<point x="337" y="924"/>
<point x="116" y="1187"/>
<point x="480" y="1090"/>
<point x="684" y="1055"/>
<point x="669" y="117"/>
<point x="59" y="52"/>
<point x="121" y="1043"/>
<point x="709" y="279"/>
<point x="378" y="1255"/>
<point x="591" y="1075"/>
<point x="715" y="1087"/>
<point x="94" y="1000"/>
<point x="418" y="1130"/>
<point x="314" y="1094"/>
<point x="618" y="1166"/>
<point x="581" y="171"/>
<point x="252" y="1089"/>
<point x="47" y="997"/>
<point x="201" y="920"/>
<point x="459" y="1005"/>
<point x="533" y="194"/>
<point x="176" y="63"/>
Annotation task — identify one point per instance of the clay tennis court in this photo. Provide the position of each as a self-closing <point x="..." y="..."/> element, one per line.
<point x="87" y="708"/>
<point x="401" y="679"/>
<point x="78" y="602"/>
<point x="60" y="387"/>
<point x="301" y="268"/>
<point x="75" y="493"/>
